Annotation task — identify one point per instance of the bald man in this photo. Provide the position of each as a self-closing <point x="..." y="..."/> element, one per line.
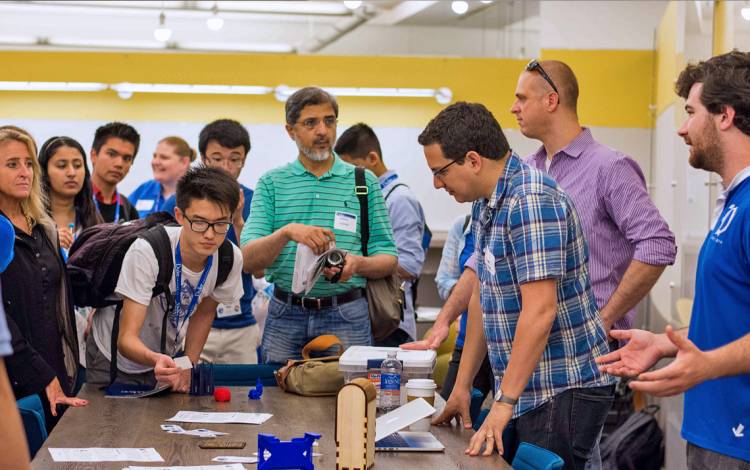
<point x="630" y="243"/>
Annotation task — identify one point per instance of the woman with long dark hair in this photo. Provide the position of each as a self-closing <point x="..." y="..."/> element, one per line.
<point x="66" y="181"/>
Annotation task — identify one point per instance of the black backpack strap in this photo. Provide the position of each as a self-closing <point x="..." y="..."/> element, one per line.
<point x="159" y="240"/>
<point x="226" y="261"/>
<point x="361" y="190"/>
<point x="393" y="188"/>
<point x="466" y="222"/>
<point x="113" y="344"/>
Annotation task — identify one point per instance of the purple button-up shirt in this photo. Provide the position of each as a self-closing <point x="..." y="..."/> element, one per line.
<point x="619" y="220"/>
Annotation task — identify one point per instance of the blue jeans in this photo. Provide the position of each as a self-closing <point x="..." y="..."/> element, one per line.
<point x="569" y="425"/>
<point x="699" y="458"/>
<point x="288" y="328"/>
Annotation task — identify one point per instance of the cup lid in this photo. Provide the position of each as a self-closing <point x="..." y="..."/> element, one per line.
<point x="422" y="383"/>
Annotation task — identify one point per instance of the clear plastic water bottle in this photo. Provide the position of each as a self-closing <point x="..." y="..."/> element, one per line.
<point x="390" y="383"/>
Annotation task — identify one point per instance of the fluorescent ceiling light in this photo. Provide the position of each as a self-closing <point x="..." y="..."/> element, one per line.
<point x="235" y="47"/>
<point x="459" y="7"/>
<point x="745" y="13"/>
<point x="105" y="43"/>
<point x="441" y="95"/>
<point x="18" y="40"/>
<point x="52" y="86"/>
<point x="288" y="7"/>
<point x="130" y="88"/>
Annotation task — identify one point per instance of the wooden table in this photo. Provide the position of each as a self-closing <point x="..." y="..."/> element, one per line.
<point x="108" y="422"/>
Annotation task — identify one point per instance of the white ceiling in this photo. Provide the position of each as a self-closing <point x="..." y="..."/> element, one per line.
<point x="260" y="26"/>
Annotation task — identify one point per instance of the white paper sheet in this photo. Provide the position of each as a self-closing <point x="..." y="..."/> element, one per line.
<point x="402" y="417"/>
<point x="220" y="418"/>
<point x="101" y="454"/>
<point x="234" y="466"/>
<point x="235" y="459"/>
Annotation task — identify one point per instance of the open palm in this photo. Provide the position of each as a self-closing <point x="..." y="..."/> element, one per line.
<point x="640" y="353"/>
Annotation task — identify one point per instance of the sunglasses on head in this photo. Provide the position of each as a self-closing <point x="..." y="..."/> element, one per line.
<point x="535" y="65"/>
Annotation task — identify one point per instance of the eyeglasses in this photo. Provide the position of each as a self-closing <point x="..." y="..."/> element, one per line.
<point x="535" y="65"/>
<point x="440" y="172"/>
<point x="201" y="226"/>
<point x="235" y="162"/>
<point x="312" y="123"/>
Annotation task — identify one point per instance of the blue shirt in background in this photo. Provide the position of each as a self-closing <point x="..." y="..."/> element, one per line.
<point x="148" y="198"/>
<point x="717" y="412"/>
<point x="246" y="318"/>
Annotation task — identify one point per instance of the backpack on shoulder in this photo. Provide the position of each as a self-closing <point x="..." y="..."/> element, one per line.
<point x="638" y="444"/>
<point x="95" y="261"/>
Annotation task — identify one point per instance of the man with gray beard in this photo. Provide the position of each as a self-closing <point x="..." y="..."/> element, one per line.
<point x="312" y="201"/>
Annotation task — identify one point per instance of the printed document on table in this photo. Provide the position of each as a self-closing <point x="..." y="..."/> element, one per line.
<point x="220" y="418"/>
<point x="101" y="454"/>
<point x="234" y="466"/>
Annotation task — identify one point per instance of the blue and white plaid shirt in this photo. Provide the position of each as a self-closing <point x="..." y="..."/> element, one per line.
<point x="532" y="231"/>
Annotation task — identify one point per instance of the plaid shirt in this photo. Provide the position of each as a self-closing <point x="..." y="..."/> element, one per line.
<point x="532" y="231"/>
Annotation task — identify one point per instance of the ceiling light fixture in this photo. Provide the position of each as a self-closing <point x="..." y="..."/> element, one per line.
<point x="215" y="22"/>
<point x="52" y="86"/>
<point x="459" y="7"/>
<point x="162" y="33"/>
<point x="126" y="90"/>
<point x="441" y="95"/>
<point x="352" y="4"/>
<point x="745" y="13"/>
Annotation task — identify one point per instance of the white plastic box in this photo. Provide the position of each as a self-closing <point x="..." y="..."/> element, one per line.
<point x="417" y="364"/>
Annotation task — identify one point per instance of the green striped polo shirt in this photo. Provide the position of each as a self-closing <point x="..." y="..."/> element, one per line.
<point x="291" y="194"/>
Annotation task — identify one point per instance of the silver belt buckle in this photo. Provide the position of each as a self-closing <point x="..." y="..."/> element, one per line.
<point x="316" y="299"/>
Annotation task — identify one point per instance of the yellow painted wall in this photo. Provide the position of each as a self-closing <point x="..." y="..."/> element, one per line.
<point x="616" y="85"/>
<point x="670" y="59"/>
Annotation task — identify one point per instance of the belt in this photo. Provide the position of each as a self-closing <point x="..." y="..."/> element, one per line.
<point x="318" y="303"/>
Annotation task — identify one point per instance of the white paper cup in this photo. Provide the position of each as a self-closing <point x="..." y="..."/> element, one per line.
<point x="421" y="388"/>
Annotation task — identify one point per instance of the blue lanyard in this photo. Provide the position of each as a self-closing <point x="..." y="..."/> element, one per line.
<point x="117" y="207"/>
<point x="178" y="294"/>
<point x="388" y="181"/>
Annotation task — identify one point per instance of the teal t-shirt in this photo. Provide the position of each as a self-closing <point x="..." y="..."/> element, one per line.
<point x="291" y="194"/>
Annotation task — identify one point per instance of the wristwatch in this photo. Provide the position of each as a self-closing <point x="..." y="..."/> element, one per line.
<point x="502" y="398"/>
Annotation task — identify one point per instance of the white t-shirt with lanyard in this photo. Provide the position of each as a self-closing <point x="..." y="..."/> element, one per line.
<point x="136" y="281"/>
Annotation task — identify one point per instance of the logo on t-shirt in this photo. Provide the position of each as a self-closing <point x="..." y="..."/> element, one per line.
<point x="724" y="222"/>
<point x="186" y="295"/>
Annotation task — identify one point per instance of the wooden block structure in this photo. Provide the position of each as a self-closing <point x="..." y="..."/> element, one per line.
<point x="356" y="406"/>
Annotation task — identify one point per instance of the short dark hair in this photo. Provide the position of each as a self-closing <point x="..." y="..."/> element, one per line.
<point x="565" y="80"/>
<point x="213" y="184"/>
<point x="726" y="82"/>
<point x="463" y="127"/>
<point x="227" y="132"/>
<point x="118" y="130"/>
<point x="358" y="141"/>
<point x="307" y="96"/>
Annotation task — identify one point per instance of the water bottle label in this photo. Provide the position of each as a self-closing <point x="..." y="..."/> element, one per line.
<point x="390" y="382"/>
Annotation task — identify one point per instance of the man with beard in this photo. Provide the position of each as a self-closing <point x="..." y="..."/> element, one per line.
<point x="312" y="201"/>
<point x="712" y="364"/>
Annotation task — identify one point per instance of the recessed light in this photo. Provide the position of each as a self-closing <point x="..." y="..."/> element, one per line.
<point x="459" y="7"/>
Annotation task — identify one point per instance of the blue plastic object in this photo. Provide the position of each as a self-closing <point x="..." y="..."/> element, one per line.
<point x="257" y="392"/>
<point x="294" y="454"/>
<point x="244" y="375"/>
<point x="32" y="416"/>
<point x="202" y="380"/>
<point x="532" y="457"/>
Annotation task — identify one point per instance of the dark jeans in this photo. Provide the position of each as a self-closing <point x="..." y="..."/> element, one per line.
<point x="568" y="425"/>
<point x="484" y="381"/>
<point x="699" y="458"/>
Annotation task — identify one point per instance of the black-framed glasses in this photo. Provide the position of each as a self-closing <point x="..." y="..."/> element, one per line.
<point x="201" y="226"/>
<point x="535" y="65"/>
<point x="440" y="172"/>
<point x="312" y="123"/>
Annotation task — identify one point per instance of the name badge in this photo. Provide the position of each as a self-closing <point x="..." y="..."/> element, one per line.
<point x="144" y="204"/>
<point x="489" y="261"/>
<point x="228" y="310"/>
<point x="345" y="221"/>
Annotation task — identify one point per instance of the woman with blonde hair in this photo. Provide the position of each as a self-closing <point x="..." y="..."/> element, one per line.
<point x="171" y="160"/>
<point x="34" y="286"/>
